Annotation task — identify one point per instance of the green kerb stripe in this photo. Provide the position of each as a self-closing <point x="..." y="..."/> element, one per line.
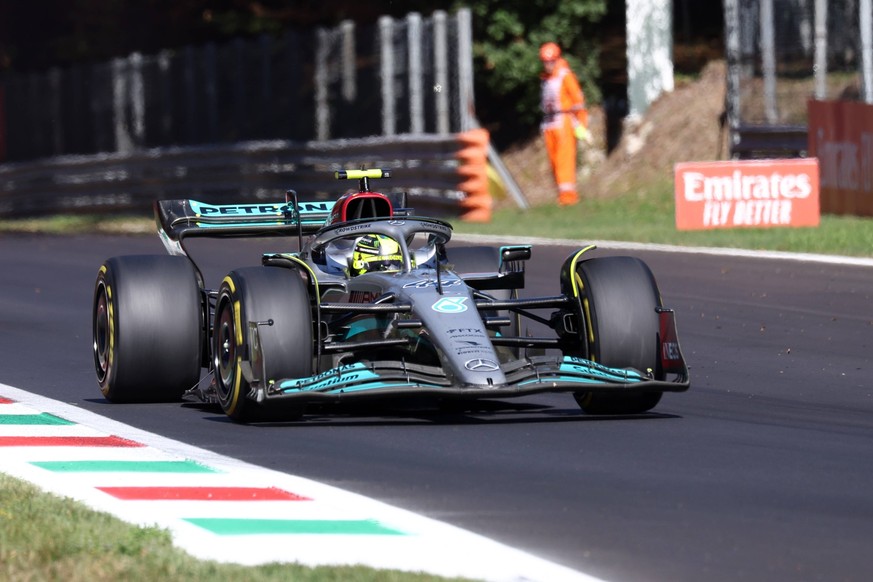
<point x="43" y="418"/>
<point x="125" y="466"/>
<point x="229" y="527"/>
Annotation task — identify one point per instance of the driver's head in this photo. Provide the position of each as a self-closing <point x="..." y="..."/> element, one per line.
<point x="376" y="252"/>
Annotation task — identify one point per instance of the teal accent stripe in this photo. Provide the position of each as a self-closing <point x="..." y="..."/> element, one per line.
<point x="229" y="527"/>
<point x="43" y="418"/>
<point x="382" y="385"/>
<point x="124" y="467"/>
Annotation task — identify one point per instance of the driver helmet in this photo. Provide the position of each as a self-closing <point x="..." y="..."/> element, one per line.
<point x="376" y="252"/>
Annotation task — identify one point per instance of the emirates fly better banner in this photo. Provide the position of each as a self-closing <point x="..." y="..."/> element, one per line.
<point x="748" y="193"/>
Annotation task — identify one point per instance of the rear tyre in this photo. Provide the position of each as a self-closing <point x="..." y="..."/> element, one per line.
<point x="621" y="298"/>
<point x="147" y="328"/>
<point x="261" y="294"/>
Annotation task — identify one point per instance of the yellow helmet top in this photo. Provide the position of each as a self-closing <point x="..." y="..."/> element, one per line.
<point x="376" y="252"/>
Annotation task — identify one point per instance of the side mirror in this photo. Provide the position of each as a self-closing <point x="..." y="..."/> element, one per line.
<point x="514" y="253"/>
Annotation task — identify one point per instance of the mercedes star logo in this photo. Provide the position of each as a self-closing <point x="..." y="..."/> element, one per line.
<point x="481" y="365"/>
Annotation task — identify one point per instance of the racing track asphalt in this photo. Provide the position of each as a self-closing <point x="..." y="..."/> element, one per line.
<point x="761" y="472"/>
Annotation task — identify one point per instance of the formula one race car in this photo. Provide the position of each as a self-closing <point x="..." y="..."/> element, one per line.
<point x="374" y="303"/>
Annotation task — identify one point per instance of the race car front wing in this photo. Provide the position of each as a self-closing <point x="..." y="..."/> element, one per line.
<point x="524" y="377"/>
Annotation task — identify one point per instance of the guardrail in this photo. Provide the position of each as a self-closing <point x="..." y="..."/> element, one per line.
<point x="424" y="165"/>
<point x="769" y="141"/>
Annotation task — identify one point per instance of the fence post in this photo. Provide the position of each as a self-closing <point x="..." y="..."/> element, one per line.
<point x="137" y="99"/>
<point x="441" y="72"/>
<point x="241" y="83"/>
<point x="210" y="71"/>
<point x="190" y="96"/>
<point x="263" y="118"/>
<point x="322" y="107"/>
<point x="414" y="72"/>
<point x="79" y="136"/>
<point x="54" y="79"/>
<point x="768" y="56"/>
<point x="350" y="89"/>
<point x="100" y="78"/>
<point x="296" y="122"/>
<point x="732" y="50"/>
<point x="123" y="143"/>
<point x="466" y="99"/>
<point x="166" y="97"/>
<point x="866" y="49"/>
<point x="386" y="45"/>
<point x="821" y="49"/>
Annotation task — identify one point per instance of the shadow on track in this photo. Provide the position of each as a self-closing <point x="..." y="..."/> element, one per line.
<point x="482" y="412"/>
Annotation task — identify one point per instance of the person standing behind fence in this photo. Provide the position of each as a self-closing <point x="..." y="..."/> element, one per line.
<point x="565" y="120"/>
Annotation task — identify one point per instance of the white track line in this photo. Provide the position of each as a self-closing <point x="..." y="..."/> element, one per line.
<point x="632" y="246"/>
<point x="428" y="546"/>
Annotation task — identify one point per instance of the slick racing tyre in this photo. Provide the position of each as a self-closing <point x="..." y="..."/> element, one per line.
<point x="620" y="298"/>
<point x="147" y="328"/>
<point x="261" y="295"/>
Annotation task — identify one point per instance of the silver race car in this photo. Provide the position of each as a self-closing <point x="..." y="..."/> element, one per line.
<point x="375" y="303"/>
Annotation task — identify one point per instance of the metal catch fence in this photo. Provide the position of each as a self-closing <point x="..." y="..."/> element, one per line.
<point x="780" y="54"/>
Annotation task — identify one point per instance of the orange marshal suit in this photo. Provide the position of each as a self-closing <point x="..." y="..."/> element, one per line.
<point x="563" y="104"/>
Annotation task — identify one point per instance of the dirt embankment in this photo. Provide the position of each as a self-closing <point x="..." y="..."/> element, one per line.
<point x="683" y="125"/>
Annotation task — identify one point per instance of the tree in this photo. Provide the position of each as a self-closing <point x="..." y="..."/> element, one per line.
<point x="507" y="35"/>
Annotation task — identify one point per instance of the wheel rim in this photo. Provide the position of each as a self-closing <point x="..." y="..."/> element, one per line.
<point x="225" y="351"/>
<point x="102" y="334"/>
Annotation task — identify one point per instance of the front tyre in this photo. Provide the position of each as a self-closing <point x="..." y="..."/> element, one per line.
<point x="621" y="300"/>
<point x="147" y="328"/>
<point x="260" y="295"/>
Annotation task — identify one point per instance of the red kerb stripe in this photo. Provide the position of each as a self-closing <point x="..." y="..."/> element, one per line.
<point x="202" y="493"/>
<point x="73" y="441"/>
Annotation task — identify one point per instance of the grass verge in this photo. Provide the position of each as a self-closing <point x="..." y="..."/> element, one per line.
<point x="79" y="224"/>
<point x="648" y="216"/>
<point x="642" y="215"/>
<point x="45" y="537"/>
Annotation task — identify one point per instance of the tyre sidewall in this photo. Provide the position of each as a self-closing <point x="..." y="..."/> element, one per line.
<point x="620" y="299"/>
<point x="155" y="328"/>
<point x="623" y="299"/>
<point x="262" y="294"/>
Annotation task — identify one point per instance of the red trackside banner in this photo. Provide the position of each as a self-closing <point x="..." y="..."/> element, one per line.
<point x="748" y="193"/>
<point x="841" y="137"/>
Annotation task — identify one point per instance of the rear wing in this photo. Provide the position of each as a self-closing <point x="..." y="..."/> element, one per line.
<point x="182" y="218"/>
<point x="179" y="219"/>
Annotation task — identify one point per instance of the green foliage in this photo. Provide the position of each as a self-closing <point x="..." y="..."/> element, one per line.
<point x="507" y="35"/>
